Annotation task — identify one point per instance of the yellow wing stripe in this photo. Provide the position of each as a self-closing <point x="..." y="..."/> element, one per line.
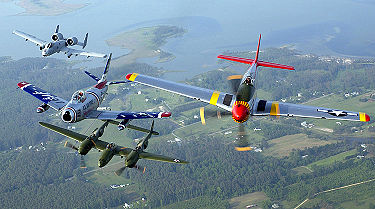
<point x="362" y="117"/>
<point x="214" y="97"/>
<point x="133" y="76"/>
<point x="275" y="109"/>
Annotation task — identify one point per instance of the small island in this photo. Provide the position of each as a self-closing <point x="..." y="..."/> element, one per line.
<point x="46" y="7"/>
<point x="146" y="42"/>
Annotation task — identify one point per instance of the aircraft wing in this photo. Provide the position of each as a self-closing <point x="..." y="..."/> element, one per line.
<point x="150" y="156"/>
<point x="29" y="37"/>
<point x="65" y="132"/>
<point x="51" y="100"/>
<point x="263" y="107"/>
<point x="112" y="115"/>
<point x="220" y="99"/>
<point x="70" y="51"/>
<point x="99" y="144"/>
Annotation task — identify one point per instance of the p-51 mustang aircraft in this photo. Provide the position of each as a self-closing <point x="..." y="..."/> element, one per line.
<point x="85" y="104"/>
<point x="59" y="44"/>
<point x="242" y="102"/>
<point x="110" y="149"/>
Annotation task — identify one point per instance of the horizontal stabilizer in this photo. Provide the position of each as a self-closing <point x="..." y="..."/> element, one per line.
<point x="275" y="65"/>
<point x="251" y="61"/>
<point x="118" y="82"/>
<point x="92" y="76"/>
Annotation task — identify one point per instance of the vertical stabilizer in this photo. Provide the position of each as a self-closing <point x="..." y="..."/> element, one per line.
<point x="257" y="54"/>
<point x="85" y="41"/>
<point x="57" y="29"/>
<point x="150" y="133"/>
<point x="104" y="76"/>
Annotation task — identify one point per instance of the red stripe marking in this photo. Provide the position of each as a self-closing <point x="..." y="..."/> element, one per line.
<point x="100" y="85"/>
<point x="96" y="97"/>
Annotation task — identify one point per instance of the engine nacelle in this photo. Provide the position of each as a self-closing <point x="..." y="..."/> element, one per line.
<point x="86" y="146"/>
<point x="132" y="159"/>
<point x="72" y="41"/>
<point x="57" y="36"/>
<point x="42" y="108"/>
<point x="122" y="125"/>
<point x="145" y="144"/>
<point x="107" y="155"/>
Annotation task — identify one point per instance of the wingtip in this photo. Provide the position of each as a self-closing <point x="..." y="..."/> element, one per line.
<point x="367" y="118"/>
<point x="128" y="76"/>
<point x="166" y="114"/>
<point x="364" y="117"/>
<point x="22" y="84"/>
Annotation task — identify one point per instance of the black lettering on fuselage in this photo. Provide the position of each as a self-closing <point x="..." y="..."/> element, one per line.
<point x="91" y="102"/>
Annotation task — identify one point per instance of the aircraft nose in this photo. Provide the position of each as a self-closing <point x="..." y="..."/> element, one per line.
<point x="68" y="115"/>
<point x="240" y="113"/>
<point x="101" y="163"/>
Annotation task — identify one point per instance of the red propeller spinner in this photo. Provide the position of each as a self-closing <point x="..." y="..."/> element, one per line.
<point x="240" y="111"/>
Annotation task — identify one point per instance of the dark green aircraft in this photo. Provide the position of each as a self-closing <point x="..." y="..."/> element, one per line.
<point x="110" y="149"/>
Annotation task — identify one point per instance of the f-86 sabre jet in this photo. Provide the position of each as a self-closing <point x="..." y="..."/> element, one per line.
<point x="242" y="103"/>
<point x="59" y="44"/>
<point x="85" y="104"/>
<point x="110" y="149"/>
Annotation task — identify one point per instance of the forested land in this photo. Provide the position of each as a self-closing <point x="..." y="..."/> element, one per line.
<point x="38" y="179"/>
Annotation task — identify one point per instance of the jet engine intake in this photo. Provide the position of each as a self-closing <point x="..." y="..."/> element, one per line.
<point x="72" y="41"/>
<point x="57" y="37"/>
<point x="68" y="115"/>
<point x="42" y="108"/>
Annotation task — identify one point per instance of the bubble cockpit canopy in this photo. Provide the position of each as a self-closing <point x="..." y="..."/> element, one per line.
<point x="79" y="96"/>
<point x="111" y="145"/>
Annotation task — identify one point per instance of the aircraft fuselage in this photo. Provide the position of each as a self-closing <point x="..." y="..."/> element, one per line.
<point x="53" y="47"/>
<point x="245" y="96"/>
<point x="83" y="102"/>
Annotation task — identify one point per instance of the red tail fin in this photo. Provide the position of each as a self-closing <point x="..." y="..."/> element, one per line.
<point x="256" y="56"/>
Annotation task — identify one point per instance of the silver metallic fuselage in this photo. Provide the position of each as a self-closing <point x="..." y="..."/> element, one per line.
<point x="76" y="111"/>
<point x="53" y="47"/>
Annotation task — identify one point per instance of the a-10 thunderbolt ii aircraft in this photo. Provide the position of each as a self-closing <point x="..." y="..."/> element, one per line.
<point x="85" y="104"/>
<point x="242" y="102"/>
<point x="59" y="44"/>
<point x="110" y="149"/>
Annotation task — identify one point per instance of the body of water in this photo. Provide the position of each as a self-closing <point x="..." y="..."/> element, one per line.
<point x="337" y="27"/>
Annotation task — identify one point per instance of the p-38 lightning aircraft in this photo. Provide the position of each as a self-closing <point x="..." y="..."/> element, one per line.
<point x="110" y="149"/>
<point x="59" y="44"/>
<point x="242" y="102"/>
<point x="84" y="104"/>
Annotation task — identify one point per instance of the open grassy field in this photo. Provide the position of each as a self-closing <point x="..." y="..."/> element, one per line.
<point x="242" y="201"/>
<point x="282" y="146"/>
<point x="302" y="170"/>
<point x="361" y="197"/>
<point x="332" y="159"/>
